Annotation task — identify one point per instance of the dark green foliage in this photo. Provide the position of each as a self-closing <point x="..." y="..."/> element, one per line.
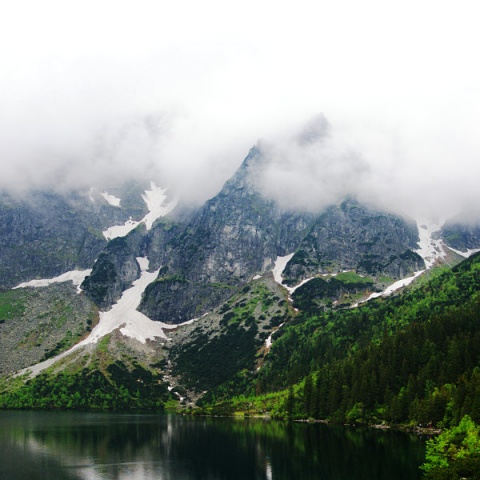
<point x="413" y="375"/>
<point x="318" y="292"/>
<point x="414" y="358"/>
<point x="316" y="339"/>
<point x="222" y="356"/>
<point x="206" y="364"/>
<point x="118" y="389"/>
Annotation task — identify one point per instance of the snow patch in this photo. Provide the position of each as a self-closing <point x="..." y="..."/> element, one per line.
<point x="75" y="276"/>
<point x="279" y="267"/>
<point x="430" y="247"/>
<point x="143" y="263"/>
<point x="120" y="230"/>
<point x="395" y="286"/>
<point x="122" y="315"/>
<point x="269" y="340"/>
<point x="156" y="201"/>
<point x="112" y="200"/>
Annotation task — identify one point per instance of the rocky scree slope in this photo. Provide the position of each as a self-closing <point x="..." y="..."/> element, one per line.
<point x="38" y="323"/>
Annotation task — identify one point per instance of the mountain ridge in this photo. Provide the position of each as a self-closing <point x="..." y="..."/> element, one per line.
<point x="212" y="278"/>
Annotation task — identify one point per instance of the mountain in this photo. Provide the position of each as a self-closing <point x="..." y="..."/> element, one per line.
<point x="199" y="301"/>
<point x="239" y="234"/>
<point x="44" y="234"/>
<point x="464" y="237"/>
<point x="236" y="235"/>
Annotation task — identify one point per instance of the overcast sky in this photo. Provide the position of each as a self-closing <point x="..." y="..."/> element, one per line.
<point x="181" y="90"/>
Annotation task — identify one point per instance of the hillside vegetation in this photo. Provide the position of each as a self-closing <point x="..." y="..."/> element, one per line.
<point x="413" y="358"/>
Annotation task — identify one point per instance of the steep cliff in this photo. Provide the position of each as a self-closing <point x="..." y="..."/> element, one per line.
<point x="113" y="272"/>
<point x="44" y="234"/>
<point x="235" y="236"/>
<point x="351" y="236"/>
<point x="461" y="236"/>
<point x="239" y="234"/>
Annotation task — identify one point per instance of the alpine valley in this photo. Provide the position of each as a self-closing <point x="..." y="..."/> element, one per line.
<point x="124" y="298"/>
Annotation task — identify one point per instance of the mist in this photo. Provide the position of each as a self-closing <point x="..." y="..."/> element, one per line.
<point x="425" y="180"/>
<point x="376" y="101"/>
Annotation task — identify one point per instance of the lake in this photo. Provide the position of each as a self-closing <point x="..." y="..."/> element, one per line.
<point x="91" y="446"/>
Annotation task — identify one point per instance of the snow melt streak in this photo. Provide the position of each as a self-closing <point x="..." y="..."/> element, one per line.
<point x="155" y="199"/>
<point x="430" y="244"/>
<point x="123" y="315"/>
<point x="75" y="276"/>
<point x="279" y="267"/>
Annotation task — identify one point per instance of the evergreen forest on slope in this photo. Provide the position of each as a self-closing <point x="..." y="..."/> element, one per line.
<point x="410" y="359"/>
<point x="413" y="358"/>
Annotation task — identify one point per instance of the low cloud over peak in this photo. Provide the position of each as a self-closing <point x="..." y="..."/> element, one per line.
<point x="319" y="165"/>
<point x="114" y="90"/>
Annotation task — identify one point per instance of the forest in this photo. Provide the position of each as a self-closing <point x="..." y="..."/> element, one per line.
<point x="410" y="360"/>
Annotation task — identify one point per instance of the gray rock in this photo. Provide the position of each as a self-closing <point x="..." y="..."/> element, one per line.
<point x="114" y="271"/>
<point x="351" y="236"/>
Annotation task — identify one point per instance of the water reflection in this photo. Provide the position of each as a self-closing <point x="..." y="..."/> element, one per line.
<point x="86" y="446"/>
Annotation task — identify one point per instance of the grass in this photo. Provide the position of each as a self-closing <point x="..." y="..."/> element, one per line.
<point x="11" y="304"/>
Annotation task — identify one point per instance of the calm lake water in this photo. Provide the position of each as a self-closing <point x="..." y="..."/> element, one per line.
<point x="39" y="445"/>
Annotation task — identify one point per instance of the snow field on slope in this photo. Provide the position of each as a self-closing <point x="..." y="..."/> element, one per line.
<point x="123" y="315"/>
<point x="156" y="201"/>
<point x="74" y="276"/>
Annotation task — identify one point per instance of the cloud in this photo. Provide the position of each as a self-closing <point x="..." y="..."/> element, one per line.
<point x="309" y="169"/>
<point x="319" y="165"/>
<point x="179" y="93"/>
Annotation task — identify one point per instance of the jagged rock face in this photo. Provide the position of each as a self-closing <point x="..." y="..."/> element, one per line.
<point x="461" y="236"/>
<point x="239" y="234"/>
<point x="235" y="236"/>
<point x="172" y="299"/>
<point x="353" y="237"/>
<point x="114" y="271"/>
<point x="231" y="237"/>
<point x="157" y="244"/>
<point x="44" y="236"/>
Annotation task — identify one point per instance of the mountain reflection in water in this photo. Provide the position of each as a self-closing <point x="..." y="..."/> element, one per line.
<point x="89" y="446"/>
